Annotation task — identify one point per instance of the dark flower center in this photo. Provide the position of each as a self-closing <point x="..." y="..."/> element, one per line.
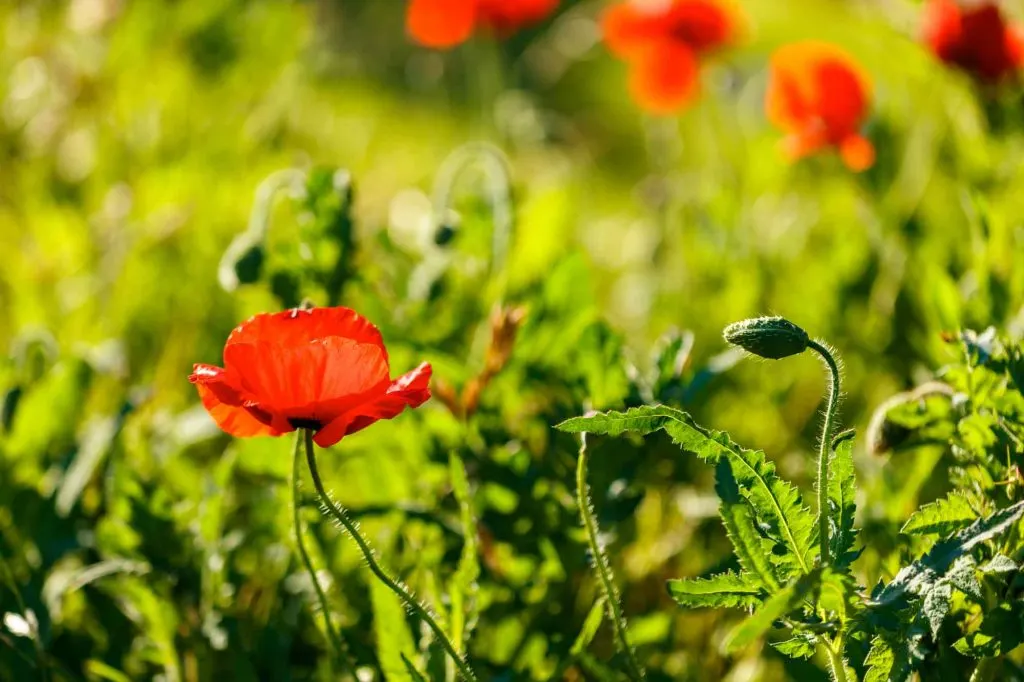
<point x="311" y="424"/>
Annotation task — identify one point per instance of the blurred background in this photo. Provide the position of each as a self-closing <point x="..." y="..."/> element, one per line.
<point x="133" y="138"/>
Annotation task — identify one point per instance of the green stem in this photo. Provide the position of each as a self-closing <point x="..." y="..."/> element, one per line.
<point x="403" y="592"/>
<point x="835" y="659"/>
<point x="823" y="450"/>
<point x="603" y="567"/>
<point x="340" y="651"/>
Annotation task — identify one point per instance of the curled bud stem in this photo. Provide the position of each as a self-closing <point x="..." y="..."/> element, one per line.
<point x="403" y="592"/>
<point x="824" y="445"/>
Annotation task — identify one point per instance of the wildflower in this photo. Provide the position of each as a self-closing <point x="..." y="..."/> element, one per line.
<point x="819" y="96"/>
<point x="663" y="41"/>
<point x="446" y="23"/>
<point x="324" y="369"/>
<point x="976" y="38"/>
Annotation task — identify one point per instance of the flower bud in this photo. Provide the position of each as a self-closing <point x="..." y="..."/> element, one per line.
<point x="768" y="337"/>
<point x="242" y="262"/>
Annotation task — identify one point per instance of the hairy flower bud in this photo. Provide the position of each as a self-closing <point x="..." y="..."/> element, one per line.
<point x="768" y="337"/>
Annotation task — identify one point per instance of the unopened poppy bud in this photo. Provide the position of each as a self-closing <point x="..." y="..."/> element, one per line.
<point x="242" y="262"/>
<point x="768" y="337"/>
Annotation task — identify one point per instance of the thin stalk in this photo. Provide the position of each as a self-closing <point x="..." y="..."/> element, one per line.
<point x="603" y="567"/>
<point x="823" y="450"/>
<point x="340" y="650"/>
<point x="403" y="592"/>
<point x="37" y="645"/>
<point x="835" y="659"/>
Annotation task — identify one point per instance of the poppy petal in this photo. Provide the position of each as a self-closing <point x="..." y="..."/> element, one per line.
<point x="664" y="77"/>
<point x="409" y="390"/>
<point x="857" y="153"/>
<point x="505" y="16"/>
<point x="314" y="380"/>
<point x="226" y="405"/>
<point x="298" y="326"/>
<point x="702" y="24"/>
<point x="440" y="23"/>
<point x="629" y="28"/>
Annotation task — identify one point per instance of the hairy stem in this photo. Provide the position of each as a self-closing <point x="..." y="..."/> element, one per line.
<point x="340" y="651"/>
<point x="823" y="449"/>
<point x="403" y="592"/>
<point x="835" y="659"/>
<point x="603" y="567"/>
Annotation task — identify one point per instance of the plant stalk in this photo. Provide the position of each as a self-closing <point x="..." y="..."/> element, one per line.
<point x="340" y="650"/>
<point x="603" y="567"/>
<point x="835" y="659"/>
<point x="403" y="592"/>
<point x="824" y="447"/>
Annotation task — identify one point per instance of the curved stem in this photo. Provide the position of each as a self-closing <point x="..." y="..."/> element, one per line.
<point x="395" y="586"/>
<point x="823" y="449"/>
<point x="340" y="650"/>
<point x="603" y="567"/>
<point x="835" y="659"/>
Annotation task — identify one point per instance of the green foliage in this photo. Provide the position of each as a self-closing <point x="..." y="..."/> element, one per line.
<point x="724" y="589"/>
<point x="941" y="517"/>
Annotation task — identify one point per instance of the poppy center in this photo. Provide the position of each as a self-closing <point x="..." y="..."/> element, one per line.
<point x="311" y="424"/>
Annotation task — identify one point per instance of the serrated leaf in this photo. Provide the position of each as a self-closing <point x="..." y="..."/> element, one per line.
<point x="801" y="645"/>
<point x="1001" y="631"/>
<point x="591" y="625"/>
<point x="777" y="606"/>
<point x="920" y="575"/>
<point x="842" y="481"/>
<point x="936" y="605"/>
<point x="752" y="549"/>
<point x="888" y="661"/>
<point x="1000" y="563"/>
<point x="394" y="641"/>
<point x="776" y="504"/>
<point x="941" y="517"/>
<point x="722" y="590"/>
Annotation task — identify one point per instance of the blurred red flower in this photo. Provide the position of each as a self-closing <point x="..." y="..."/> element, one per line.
<point x="324" y="369"/>
<point x="976" y="38"/>
<point x="819" y="96"/>
<point x="446" y="23"/>
<point x="663" y="40"/>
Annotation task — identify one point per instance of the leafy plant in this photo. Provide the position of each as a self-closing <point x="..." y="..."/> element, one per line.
<point x="795" y="566"/>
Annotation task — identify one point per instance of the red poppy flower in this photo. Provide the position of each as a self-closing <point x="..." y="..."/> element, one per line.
<point x="819" y="95"/>
<point x="324" y="369"/>
<point x="977" y="39"/>
<point x="446" y="23"/>
<point x="663" y="41"/>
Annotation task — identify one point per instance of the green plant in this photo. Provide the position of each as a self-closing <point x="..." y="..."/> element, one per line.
<point x="795" y="571"/>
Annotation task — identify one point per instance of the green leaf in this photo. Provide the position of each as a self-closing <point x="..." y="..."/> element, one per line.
<point x="941" y="517"/>
<point x="1000" y="563"/>
<point x="752" y="549"/>
<point x="1001" y="631"/>
<point x="936" y="605"/>
<point x="777" y="606"/>
<point x="842" y="479"/>
<point x="962" y="576"/>
<point x="801" y="645"/>
<point x="722" y="590"/>
<point x="394" y="641"/>
<point x="837" y="595"/>
<point x="776" y="504"/>
<point x="591" y="625"/>
<point x="463" y="588"/>
<point x="919" y="576"/>
<point x="888" y="661"/>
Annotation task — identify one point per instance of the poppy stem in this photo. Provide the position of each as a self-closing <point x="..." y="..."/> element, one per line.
<point x="403" y="592"/>
<point x="602" y="566"/>
<point x="825" y="446"/>
<point x="340" y="650"/>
